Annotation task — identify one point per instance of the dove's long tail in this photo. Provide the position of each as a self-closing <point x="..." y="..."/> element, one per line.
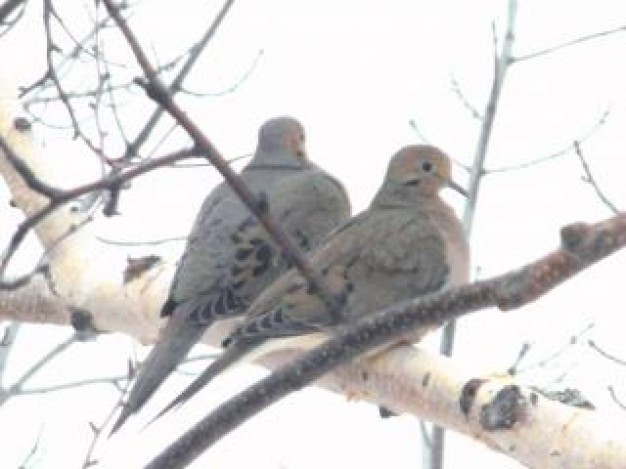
<point x="234" y="353"/>
<point x="177" y="339"/>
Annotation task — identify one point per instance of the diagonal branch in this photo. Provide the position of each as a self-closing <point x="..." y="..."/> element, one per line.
<point x="566" y="44"/>
<point x="581" y="246"/>
<point x="8" y="7"/>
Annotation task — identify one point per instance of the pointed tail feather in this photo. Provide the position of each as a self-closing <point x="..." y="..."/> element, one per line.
<point x="235" y="353"/>
<point x="177" y="339"/>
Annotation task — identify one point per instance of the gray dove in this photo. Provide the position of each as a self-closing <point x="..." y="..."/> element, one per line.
<point x="229" y="258"/>
<point x="408" y="243"/>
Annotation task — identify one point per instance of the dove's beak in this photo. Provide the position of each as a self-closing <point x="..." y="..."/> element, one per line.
<point x="456" y="187"/>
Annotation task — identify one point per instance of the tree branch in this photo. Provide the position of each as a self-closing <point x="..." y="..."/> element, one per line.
<point x="177" y="83"/>
<point x="558" y="47"/>
<point x="8" y="7"/>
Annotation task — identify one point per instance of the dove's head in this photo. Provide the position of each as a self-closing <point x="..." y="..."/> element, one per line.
<point x="417" y="171"/>
<point x="282" y="135"/>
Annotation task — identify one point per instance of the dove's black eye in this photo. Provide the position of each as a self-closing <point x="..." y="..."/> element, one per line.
<point x="427" y="166"/>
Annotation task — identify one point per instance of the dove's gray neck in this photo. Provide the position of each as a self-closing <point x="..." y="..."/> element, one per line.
<point x="277" y="160"/>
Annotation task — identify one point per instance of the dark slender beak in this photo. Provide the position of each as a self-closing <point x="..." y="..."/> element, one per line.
<point x="456" y="187"/>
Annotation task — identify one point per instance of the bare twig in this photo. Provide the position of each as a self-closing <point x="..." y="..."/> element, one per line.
<point x="581" y="246"/>
<point x="109" y="182"/>
<point x="605" y="354"/>
<point x="564" y="45"/>
<point x="38" y="85"/>
<point x="154" y="242"/>
<point x="16" y="387"/>
<point x="114" y="380"/>
<point x="559" y="153"/>
<point x="52" y="75"/>
<point x="6" y="347"/>
<point x="97" y="430"/>
<point x="617" y="400"/>
<point x="456" y="88"/>
<point x="177" y="83"/>
<point x="516" y="368"/>
<point x="591" y="180"/>
<point x="33" y="451"/>
<point x="420" y="135"/>
<point x="230" y="89"/>
<point x="27" y="174"/>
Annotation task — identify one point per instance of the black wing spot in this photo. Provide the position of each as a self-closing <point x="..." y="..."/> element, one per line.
<point x="264" y="256"/>
<point x="243" y="253"/>
<point x="236" y="270"/>
<point x="231" y="300"/>
<point x="303" y="240"/>
<point x="266" y="322"/>
<point x="259" y="270"/>
<point x="279" y="316"/>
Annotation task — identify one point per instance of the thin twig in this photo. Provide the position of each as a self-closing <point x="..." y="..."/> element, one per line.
<point x="97" y="430"/>
<point x="52" y="75"/>
<point x="6" y="347"/>
<point x="72" y="385"/>
<point x="33" y="451"/>
<point x="16" y="387"/>
<point x="230" y="89"/>
<point x="456" y="88"/>
<point x="562" y="152"/>
<point x="605" y="354"/>
<point x="109" y="182"/>
<point x="591" y="180"/>
<point x="177" y="83"/>
<point x="544" y="361"/>
<point x="564" y="45"/>
<point x="618" y="401"/>
<point x="154" y="242"/>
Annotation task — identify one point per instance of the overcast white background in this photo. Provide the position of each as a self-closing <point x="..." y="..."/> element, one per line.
<point x="355" y="73"/>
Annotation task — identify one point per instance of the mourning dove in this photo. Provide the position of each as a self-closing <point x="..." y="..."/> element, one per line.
<point x="229" y="258"/>
<point x="408" y="243"/>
